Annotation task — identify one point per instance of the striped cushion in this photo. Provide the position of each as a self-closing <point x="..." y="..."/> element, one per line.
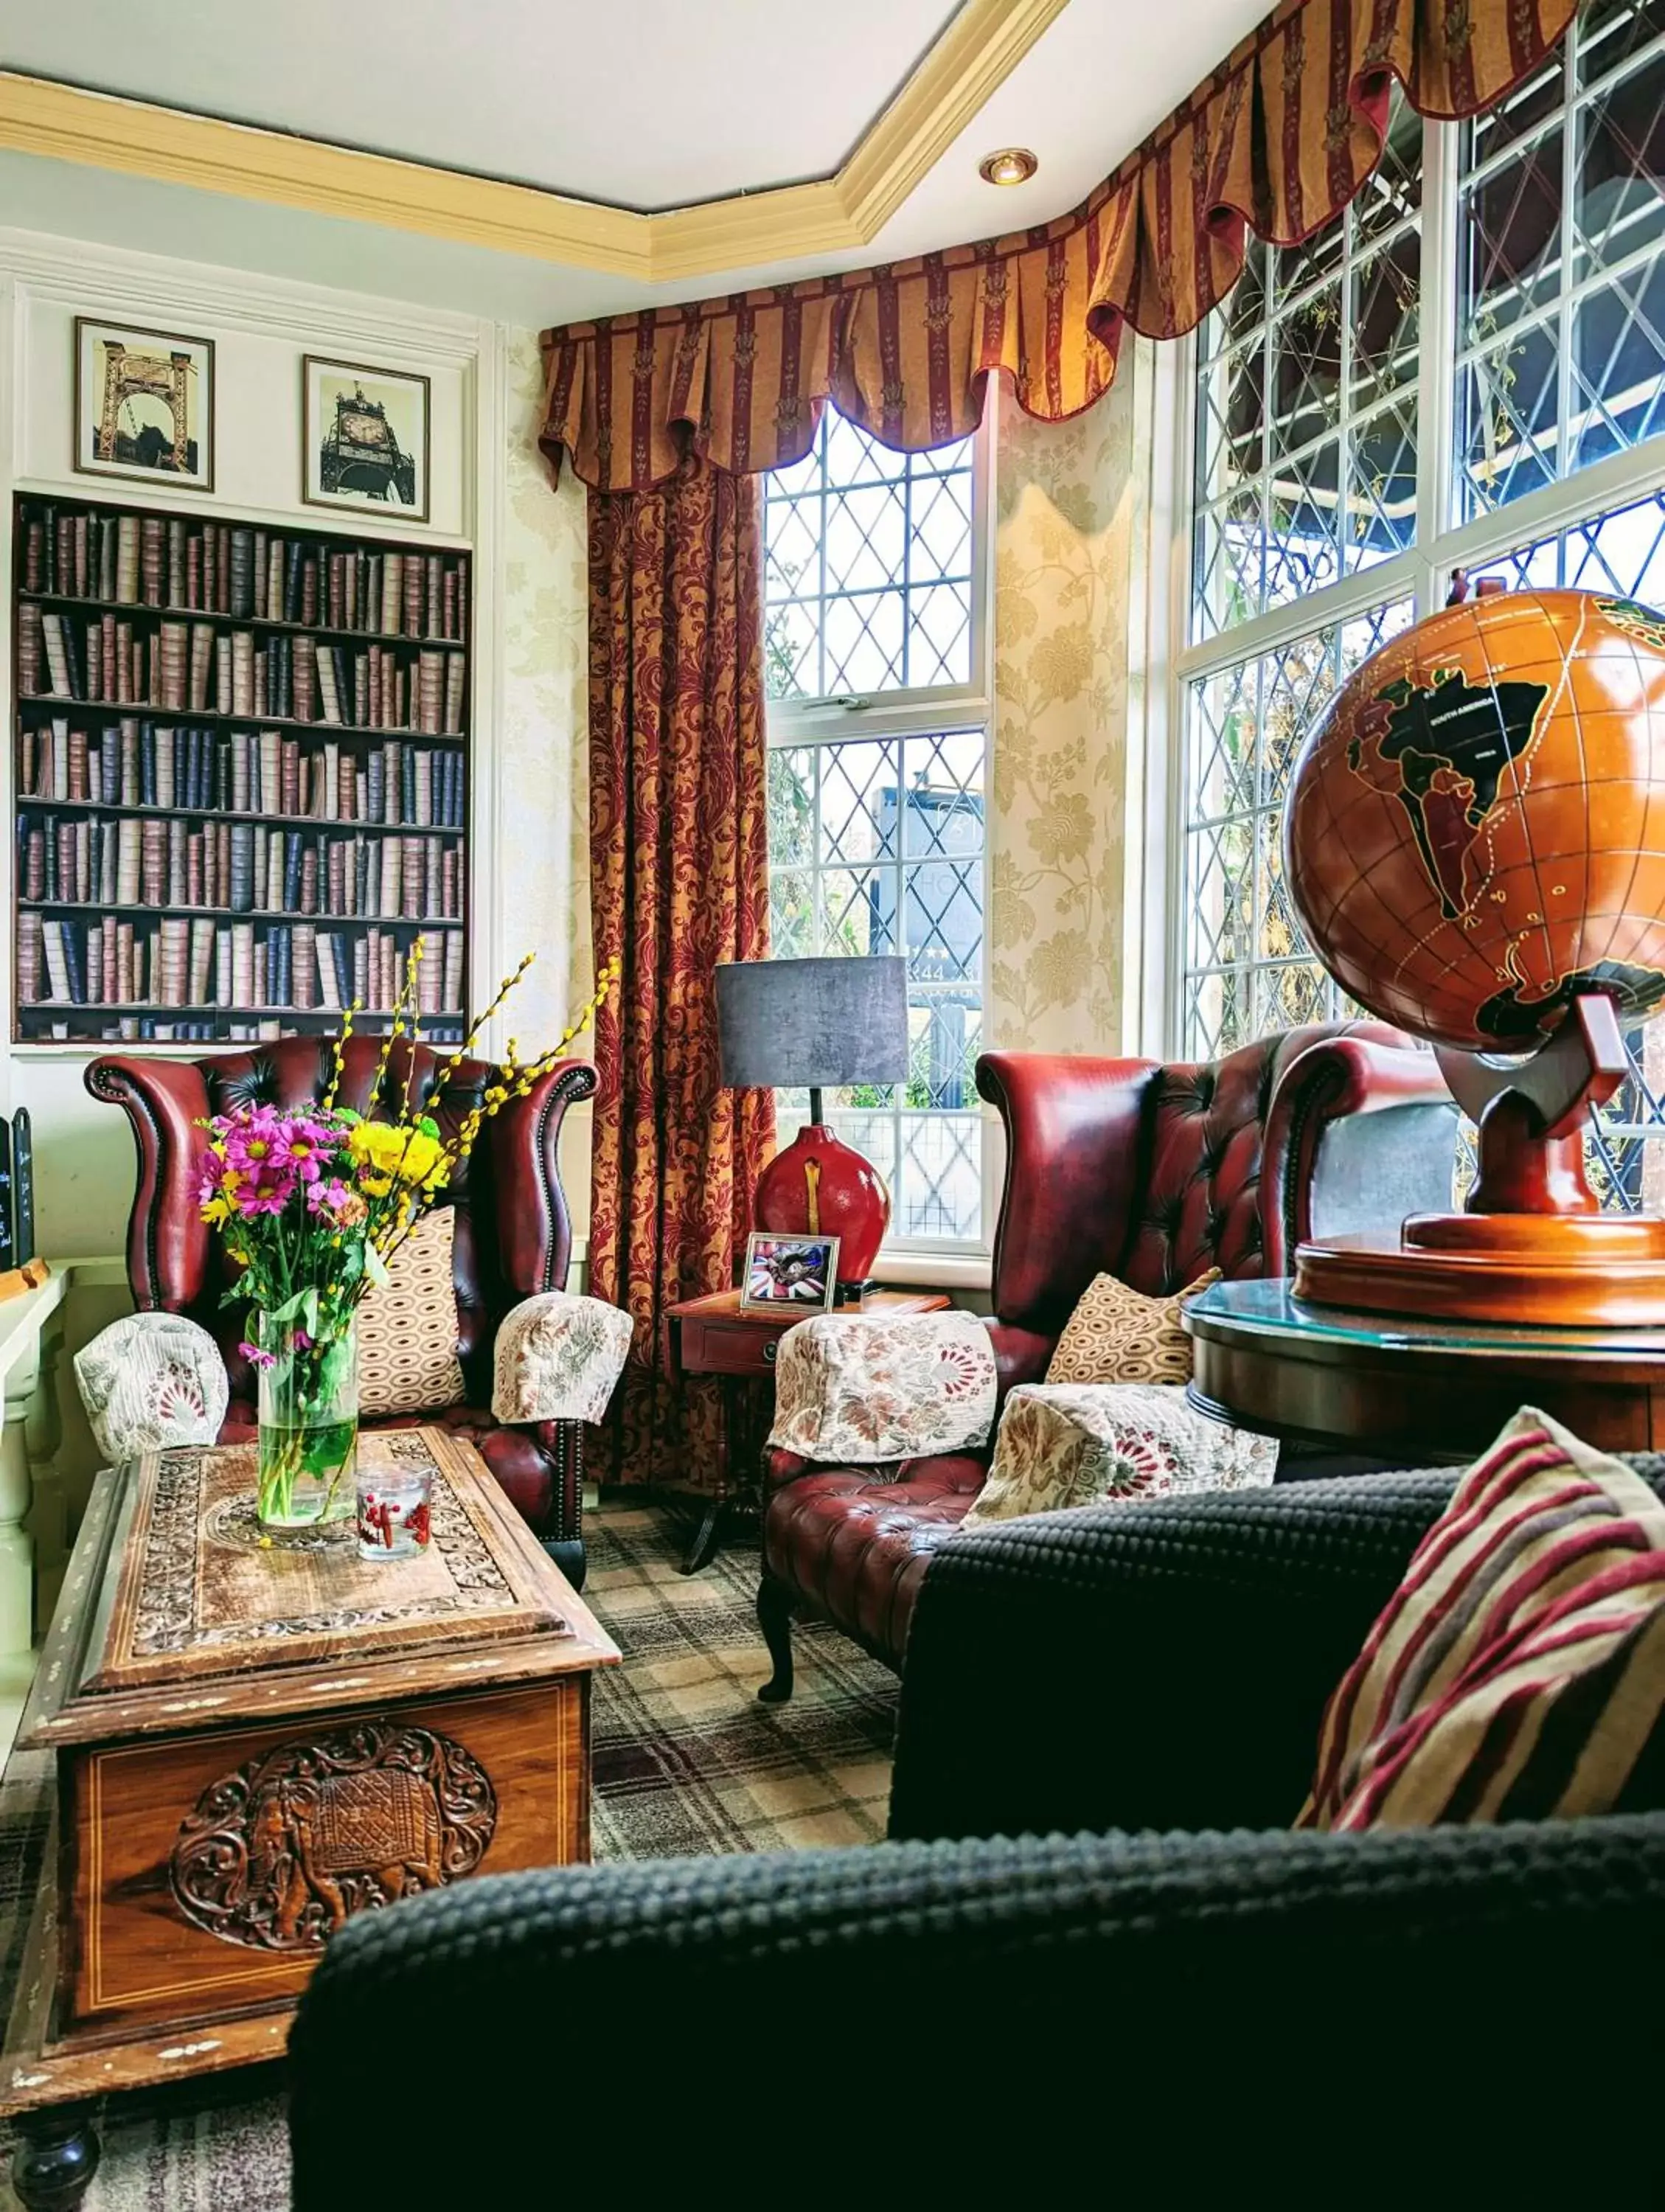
<point x="1519" y="1668"/>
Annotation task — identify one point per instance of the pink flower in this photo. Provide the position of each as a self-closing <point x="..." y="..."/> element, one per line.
<point x="256" y="1357"/>
<point x="303" y="1341"/>
<point x="270" y="1195"/>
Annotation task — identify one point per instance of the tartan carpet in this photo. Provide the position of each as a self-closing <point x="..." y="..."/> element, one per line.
<point x="683" y="1760"/>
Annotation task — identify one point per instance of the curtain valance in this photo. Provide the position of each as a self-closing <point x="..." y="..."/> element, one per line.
<point x="1278" y="140"/>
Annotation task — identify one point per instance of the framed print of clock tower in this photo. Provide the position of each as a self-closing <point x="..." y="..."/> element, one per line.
<point x="364" y="439"/>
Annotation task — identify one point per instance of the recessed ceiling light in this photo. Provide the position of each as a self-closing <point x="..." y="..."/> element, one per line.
<point x="1012" y="165"/>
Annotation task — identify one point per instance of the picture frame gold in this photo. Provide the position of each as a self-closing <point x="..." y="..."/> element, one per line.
<point x="120" y="363"/>
<point x="366" y="438"/>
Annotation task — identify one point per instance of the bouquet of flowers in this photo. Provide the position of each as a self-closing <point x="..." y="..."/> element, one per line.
<point x="311" y="1204"/>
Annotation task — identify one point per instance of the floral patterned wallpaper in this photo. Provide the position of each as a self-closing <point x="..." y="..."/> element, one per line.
<point x="543" y="748"/>
<point x="1070" y="522"/>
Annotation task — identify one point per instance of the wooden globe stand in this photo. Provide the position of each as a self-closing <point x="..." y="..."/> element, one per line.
<point x="1533" y="1244"/>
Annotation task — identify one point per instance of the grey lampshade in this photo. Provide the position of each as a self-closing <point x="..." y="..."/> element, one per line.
<point x="812" y="1023"/>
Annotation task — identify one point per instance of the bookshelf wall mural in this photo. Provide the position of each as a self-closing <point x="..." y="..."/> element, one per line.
<point x="240" y="776"/>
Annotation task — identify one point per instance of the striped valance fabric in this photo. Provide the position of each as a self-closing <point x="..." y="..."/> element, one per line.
<point x="1519" y="1669"/>
<point x="1279" y="139"/>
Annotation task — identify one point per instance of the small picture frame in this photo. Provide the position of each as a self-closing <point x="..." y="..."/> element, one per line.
<point x="143" y="404"/>
<point x="364" y="439"/>
<point x="789" y="1274"/>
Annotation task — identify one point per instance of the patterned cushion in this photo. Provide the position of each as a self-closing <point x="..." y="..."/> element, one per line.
<point x="407" y="1330"/>
<point x="1102" y="1443"/>
<point x="1119" y="1336"/>
<point x="861" y="1388"/>
<point x="1519" y="1668"/>
<point x="151" y="1379"/>
<point x="558" y="1359"/>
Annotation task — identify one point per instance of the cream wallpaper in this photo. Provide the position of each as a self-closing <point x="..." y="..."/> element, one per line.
<point x="542" y="746"/>
<point x="1070" y="522"/>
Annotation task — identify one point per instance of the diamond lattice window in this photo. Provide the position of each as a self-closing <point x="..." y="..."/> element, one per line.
<point x="877" y="846"/>
<point x="868" y="559"/>
<point x="1324" y="516"/>
<point x="879" y="721"/>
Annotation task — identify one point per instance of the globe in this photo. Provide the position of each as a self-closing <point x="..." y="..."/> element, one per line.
<point x="1476" y="830"/>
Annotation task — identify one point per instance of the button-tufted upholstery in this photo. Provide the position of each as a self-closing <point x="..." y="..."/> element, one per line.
<point x="513" y="1237"/>
<point x="1153" y="1174"/>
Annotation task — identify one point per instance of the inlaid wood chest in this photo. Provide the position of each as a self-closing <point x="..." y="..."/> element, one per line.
<point x="253" y="1741"/>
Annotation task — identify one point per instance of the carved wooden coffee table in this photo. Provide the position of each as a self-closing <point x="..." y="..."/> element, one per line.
<point x="251" y="1743"/>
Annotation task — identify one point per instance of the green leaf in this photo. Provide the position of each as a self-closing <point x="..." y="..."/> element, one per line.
<point x="333" y="1368"/>
<point x="376" y="1267"/>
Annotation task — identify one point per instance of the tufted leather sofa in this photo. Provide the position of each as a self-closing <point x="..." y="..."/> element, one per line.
<point x="1153" y="1174"/>
<point x="513" y="1237"/>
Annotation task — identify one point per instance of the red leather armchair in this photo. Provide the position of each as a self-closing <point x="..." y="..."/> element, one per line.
<point x="513" y="1237"/>
<point x="1151" y="1173"/>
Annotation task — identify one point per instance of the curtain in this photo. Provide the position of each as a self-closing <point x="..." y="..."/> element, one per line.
<point x="1279" y="139"/>
<point x="678" y="881"/>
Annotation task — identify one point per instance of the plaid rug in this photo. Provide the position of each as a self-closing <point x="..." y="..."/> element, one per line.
<point x="683" y="1757"/>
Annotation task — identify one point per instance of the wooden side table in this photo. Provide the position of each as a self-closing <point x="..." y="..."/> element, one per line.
<point x="1415" y="1391"/>
<point x="712" y="1336"/>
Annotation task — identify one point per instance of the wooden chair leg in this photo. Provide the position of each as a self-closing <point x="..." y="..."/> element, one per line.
<point x="774" y="1618"/>
<point x="56" y="2158"/>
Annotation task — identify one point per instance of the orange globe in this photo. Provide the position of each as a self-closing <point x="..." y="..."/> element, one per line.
<point x="1475" y="830"/>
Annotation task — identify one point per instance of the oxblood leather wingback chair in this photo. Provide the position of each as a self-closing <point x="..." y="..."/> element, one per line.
<point x="1155" y="1175"/>
<point x="513" y="1237"/>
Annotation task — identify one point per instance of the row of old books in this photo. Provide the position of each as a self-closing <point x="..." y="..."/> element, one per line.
<point x="181" y="962"/>
<point x="193" y="668"/>
<point x="147" y="1029"/>
<point x="236" y="868"/>
<point x="236" y="569"/>
<point x="138" y="762"/>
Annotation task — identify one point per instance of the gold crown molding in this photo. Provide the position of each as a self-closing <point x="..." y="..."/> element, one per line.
<point x="974" y="55"/>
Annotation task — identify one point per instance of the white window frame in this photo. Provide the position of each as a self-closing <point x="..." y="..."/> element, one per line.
<point x="1423" y="572"/>
<point x="923" y="712"/>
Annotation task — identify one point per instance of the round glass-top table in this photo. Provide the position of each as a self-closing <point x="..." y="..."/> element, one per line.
<point x="1393" y="1384"/>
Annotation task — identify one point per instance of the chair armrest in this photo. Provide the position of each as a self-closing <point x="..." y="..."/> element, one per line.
<point x="556" y="1358"/>
<point x="1163" y="1665"/>
<point x="1361" y="1132"/>
<point x="168" y="1239"/>
<point x="1153" y="1994"/>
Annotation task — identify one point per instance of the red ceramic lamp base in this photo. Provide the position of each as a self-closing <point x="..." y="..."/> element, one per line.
<point x="819" y="1186"/>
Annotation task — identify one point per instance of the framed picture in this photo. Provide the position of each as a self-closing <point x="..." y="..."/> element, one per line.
<point x="364" y="439"/>
<point x="789" y="1274"/>
<point x="145" y="404"/>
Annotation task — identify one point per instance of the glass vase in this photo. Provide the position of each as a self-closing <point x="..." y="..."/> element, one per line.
<point x="308" y="1423"/>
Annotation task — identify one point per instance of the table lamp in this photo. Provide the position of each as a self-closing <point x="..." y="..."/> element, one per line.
<point x="820" y="1024"/>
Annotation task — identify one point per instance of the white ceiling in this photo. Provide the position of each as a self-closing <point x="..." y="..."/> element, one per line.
<point x="581" y="98"/>
<point x="634" y="102"/>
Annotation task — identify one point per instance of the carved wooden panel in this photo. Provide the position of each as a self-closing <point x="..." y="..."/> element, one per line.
<point x="280" y="1852"/>
<point x="203" y="1871"/>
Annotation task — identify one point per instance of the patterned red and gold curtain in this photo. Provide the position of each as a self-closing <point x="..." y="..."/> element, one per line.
<point x="678" y="881"/>
<point x="1278" y="140"/>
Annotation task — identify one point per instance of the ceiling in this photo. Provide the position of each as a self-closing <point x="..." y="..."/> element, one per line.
<point x="789" y="139"/>
<point x="614" y="102"/>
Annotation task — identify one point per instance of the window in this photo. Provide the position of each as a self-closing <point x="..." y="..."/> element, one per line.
<point x="1466" y="369"/>
<point x="875" y="645"/>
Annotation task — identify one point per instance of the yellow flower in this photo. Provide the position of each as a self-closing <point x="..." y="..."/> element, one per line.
<point x="376" y="1185"/>
<point x="420" y="1159"/>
